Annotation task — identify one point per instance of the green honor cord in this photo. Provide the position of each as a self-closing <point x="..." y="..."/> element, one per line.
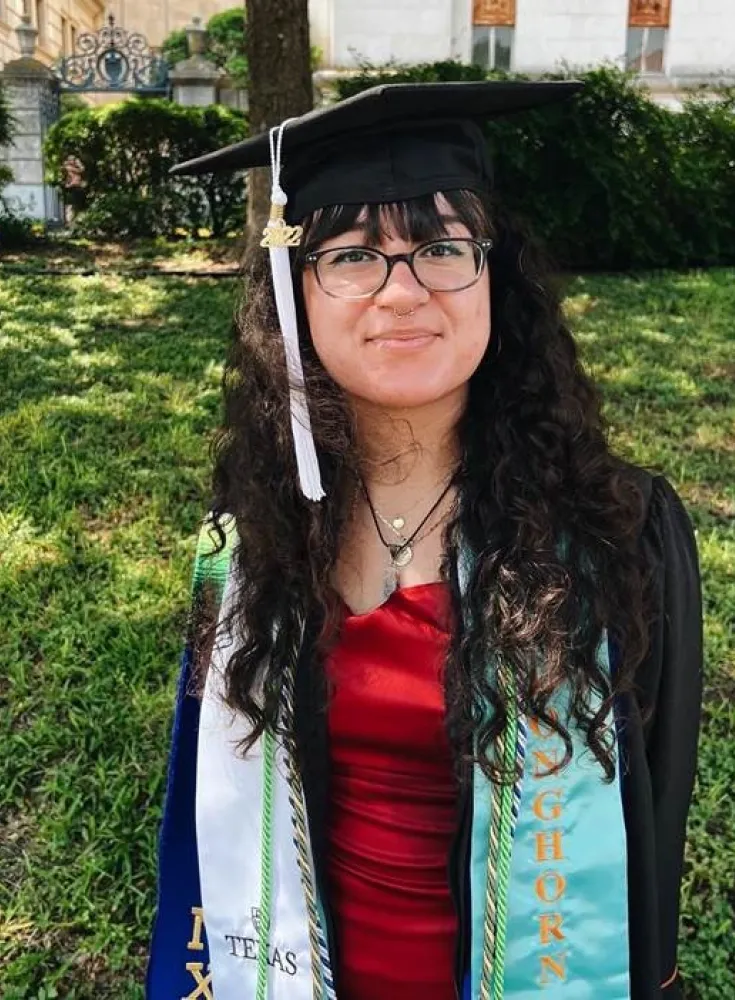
<point x="505" y="839"/>
<point x="266" y="863"/>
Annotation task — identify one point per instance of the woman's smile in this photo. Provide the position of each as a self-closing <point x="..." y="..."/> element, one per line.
<point x="404" y="341"/>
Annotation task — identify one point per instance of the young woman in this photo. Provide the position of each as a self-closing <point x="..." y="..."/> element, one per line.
<point x="444" y="744"/>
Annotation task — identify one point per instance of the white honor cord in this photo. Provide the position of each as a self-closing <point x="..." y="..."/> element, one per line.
<point x="306" y="459"/>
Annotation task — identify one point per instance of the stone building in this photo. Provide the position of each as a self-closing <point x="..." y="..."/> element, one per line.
<point x="674" y="40"/>
<point x="670" y="42"/>
<point x="59" y="24"/>
<point x="157" y="18"/>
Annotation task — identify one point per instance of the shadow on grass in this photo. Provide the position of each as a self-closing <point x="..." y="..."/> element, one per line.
<point x="97" y="336"/>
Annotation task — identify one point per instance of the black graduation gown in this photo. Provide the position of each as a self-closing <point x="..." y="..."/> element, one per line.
<point x="661" y="757"/>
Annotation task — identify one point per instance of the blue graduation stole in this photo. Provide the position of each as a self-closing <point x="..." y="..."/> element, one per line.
<point x="178" y="967"/>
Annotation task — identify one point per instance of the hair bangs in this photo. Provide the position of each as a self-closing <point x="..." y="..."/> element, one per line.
<point x="417" y="220"/>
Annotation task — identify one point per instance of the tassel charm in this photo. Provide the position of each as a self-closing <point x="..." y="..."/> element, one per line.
<point x="278" y="233"/>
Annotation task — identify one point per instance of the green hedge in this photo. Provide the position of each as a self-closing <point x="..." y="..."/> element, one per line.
<point x="610" y="180"/>
<point x="112" y="167"/>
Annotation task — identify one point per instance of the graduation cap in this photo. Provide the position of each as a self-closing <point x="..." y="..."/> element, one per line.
<point x="387" y="144"/>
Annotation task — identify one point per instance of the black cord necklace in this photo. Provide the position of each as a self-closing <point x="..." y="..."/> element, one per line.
<point x="401" y="554"/>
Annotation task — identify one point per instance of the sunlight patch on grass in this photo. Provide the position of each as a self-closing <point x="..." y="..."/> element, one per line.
<point x="22" y="545"/>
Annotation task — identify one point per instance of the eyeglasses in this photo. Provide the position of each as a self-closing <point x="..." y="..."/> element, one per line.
<point x="356" y="272"/>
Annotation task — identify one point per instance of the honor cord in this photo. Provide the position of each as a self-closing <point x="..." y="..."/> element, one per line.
<point x="266" y="863"/>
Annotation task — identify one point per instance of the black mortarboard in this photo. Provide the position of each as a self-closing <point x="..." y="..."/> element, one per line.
<point x="389" y="143"/>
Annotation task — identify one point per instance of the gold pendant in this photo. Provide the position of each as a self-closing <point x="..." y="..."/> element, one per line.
<point x="401" y="556"/>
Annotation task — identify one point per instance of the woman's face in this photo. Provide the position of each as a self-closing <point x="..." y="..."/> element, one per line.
<point x="395" y="361"/>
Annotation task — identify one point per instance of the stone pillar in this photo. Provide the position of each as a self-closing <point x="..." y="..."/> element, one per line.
<point x="33" y="96"/>
<point x="231" y="95"/>
<point x="195" y="80"/>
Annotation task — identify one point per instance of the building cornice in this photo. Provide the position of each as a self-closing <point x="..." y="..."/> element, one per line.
<point x="94" y="7"/>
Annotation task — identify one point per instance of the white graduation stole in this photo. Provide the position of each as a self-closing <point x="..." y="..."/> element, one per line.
<point x="228" y="818"/>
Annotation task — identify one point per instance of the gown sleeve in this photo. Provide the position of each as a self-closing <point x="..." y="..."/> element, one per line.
<point x="674" y="694"/>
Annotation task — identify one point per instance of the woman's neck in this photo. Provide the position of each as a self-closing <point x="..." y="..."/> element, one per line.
<point x="409" y="451"/>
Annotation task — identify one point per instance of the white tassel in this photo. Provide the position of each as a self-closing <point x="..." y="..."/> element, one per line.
<point x="278" y="237"/>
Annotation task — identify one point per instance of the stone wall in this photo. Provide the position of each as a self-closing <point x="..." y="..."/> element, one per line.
<point x="582" y="33"/>
<point x="320" y="28"/>
<point x="61" y="16"/>
<point x="701" y="38"/>
<point x="381" y="30"/>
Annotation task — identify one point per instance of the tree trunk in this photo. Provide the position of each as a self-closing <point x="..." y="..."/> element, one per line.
<point x="279" y="84"/>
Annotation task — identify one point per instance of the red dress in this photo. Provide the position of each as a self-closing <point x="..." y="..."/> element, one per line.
<point x="393" y="801"/>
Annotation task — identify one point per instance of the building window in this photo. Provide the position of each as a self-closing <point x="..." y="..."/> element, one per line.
<point x="646" y="50"/>
<point x="648" y="23"/>
<point x="493" y="26"/>
<point x="73" y="39"/>
<point x="64" y="36"/>
<point x="492" y="46"/>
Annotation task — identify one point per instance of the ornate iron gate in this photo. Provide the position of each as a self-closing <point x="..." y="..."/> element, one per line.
<point x="113" y="60"/>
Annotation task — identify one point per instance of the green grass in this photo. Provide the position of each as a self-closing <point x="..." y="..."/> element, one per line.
<point x="109" y="391"/>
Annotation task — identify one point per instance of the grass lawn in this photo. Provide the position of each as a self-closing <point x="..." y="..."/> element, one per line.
<point x="109" y="391"/>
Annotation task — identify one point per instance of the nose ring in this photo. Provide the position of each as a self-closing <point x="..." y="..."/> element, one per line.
<point x="400" y="315"/>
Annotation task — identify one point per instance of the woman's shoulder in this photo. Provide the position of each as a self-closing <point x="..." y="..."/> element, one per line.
<point x="665" y="521"/>
<point x="671" y="670"/>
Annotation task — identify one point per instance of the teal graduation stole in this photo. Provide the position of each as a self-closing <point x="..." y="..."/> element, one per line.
<point x="548" y="867"/>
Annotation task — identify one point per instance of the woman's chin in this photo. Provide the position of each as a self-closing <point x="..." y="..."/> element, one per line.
<point x="403" y="397"/>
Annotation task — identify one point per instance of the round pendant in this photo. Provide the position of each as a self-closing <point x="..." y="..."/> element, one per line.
<point x="401" y="557"/>
<point x="398" y="523"/>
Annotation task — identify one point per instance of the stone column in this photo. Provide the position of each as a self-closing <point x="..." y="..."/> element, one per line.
<point x="231" y="95"/>
<point x="194" y="80"/>
<point x="33" y="96"/>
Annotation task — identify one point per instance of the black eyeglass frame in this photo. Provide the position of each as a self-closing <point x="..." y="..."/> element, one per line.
<point x="484" y="246"/>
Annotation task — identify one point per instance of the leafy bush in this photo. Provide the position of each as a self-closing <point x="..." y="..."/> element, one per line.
<point x="16" y="232"/>
<point x="112" y="165"/>
<point x="224" y="44"/>
<point x="438" y="72"/>
<point x="174" y="48"/>
<point x="609" y="179"/>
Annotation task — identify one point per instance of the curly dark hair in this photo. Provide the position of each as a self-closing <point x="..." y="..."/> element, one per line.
<point x="549" y="514"/>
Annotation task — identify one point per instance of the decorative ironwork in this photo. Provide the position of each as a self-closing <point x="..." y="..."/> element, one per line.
<point x="113" y="60"/>
<point x="494" y="12"/>
<point x="649" y="13"/>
